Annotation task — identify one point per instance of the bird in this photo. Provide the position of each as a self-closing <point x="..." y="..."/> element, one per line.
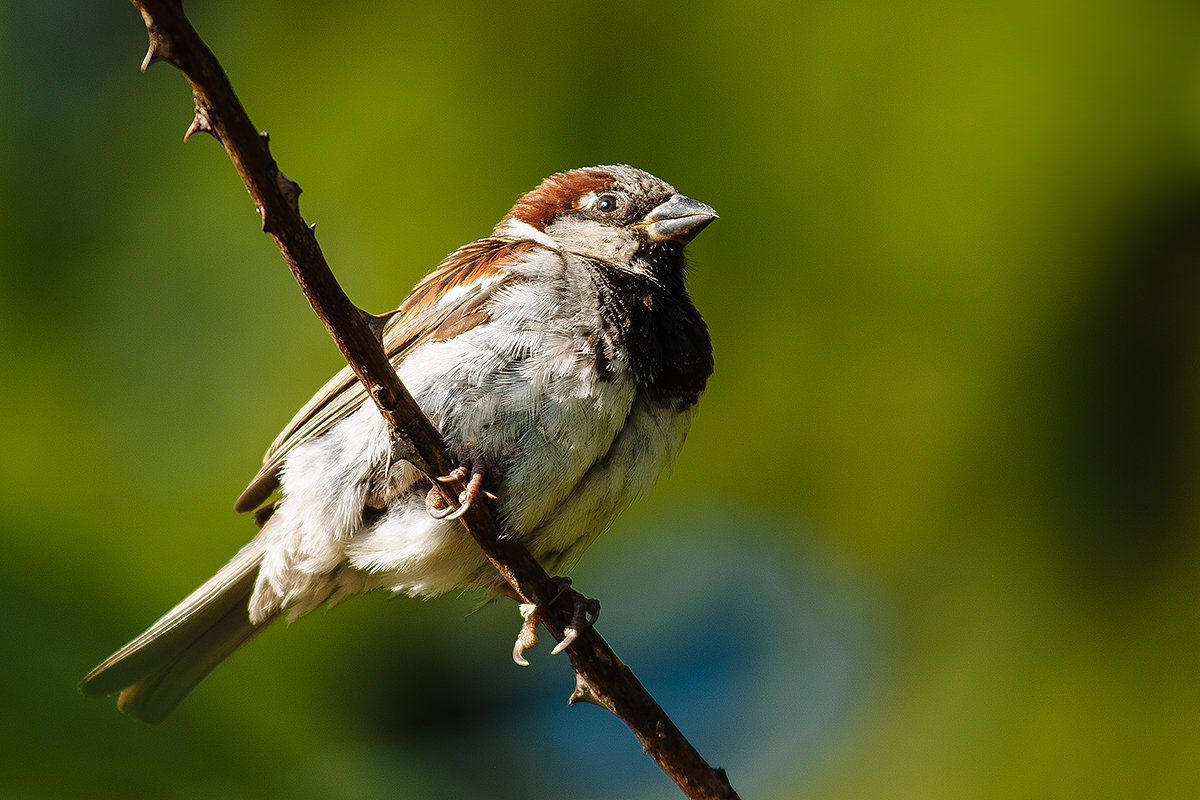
<point x="560" y="357"/>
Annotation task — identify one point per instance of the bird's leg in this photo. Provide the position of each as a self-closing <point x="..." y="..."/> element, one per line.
<point x="474" y="469"/>
<point x="527" y="636"/>
<point x="584" y="613"/>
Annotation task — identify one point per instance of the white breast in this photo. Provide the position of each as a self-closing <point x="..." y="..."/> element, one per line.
<point x="523" y="391"/>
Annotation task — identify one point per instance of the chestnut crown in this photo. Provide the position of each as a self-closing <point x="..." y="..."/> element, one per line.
<point x="608" y="213"/>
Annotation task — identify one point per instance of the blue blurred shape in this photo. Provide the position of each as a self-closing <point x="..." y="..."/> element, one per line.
<point x="754" y="635"/>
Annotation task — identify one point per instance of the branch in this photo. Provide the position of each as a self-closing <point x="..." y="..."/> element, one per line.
<point x="600" y="677"/>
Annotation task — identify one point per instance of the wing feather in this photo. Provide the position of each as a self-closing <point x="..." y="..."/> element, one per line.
<point x="449" y="301"/>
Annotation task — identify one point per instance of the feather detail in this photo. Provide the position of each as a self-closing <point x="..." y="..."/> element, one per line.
<point x="451" y="300"/>
<point x="562" y="354"/>
<point x="157" y="669"/>
<point x="559" y="194"/>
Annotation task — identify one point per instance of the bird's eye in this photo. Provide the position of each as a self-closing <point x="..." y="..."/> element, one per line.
<point x="608" y="203"/>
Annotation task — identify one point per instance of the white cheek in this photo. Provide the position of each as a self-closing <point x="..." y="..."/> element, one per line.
<point x="594" y="240"/>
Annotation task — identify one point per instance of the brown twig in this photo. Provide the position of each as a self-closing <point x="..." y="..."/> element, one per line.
<point x="600" y="677"/>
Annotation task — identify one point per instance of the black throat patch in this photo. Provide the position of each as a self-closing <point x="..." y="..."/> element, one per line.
<point x="655" y="323"/>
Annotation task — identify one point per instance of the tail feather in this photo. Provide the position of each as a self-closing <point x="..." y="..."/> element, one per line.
<point x="155" y="671"/>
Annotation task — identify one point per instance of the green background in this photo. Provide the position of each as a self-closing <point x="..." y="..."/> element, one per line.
<point x="933" y="533"/>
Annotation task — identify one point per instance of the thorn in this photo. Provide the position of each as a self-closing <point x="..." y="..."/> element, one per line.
<point x="289" y="189"/>
<point x="402" y="449"/>
<point x="160" y="46"/>
<point x="584" y="693"/>
<point x="313" y="229"/>
<point x="151" y="56"/>
<point x="198" y="126"/>
<point x="376" y="322"/>
<point x="201" y="122"/>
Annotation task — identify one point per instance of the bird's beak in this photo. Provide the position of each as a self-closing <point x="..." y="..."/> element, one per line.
<point x="679" y="219"/>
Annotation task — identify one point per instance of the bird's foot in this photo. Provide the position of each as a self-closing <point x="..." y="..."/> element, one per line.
<point x="474" y="470"/>
<point x="584" y="613"/>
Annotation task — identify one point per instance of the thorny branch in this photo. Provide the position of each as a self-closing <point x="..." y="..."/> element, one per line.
<point x="600" y="677"/>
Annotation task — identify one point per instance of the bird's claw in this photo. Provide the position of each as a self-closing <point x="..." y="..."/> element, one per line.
<point x="584" y="615"/>
<point x="527" y="636"/>
<point x="585" y="612"/>
<point x="466" y="498"/>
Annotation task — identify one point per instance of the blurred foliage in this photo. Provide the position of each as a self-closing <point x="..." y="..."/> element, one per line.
<point x="933" y="535"/>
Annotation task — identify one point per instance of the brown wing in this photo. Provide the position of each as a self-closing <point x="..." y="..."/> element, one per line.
<point x="450" y="300"/>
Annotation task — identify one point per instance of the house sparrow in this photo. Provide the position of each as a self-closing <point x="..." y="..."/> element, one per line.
<point x="561" y="358"/>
